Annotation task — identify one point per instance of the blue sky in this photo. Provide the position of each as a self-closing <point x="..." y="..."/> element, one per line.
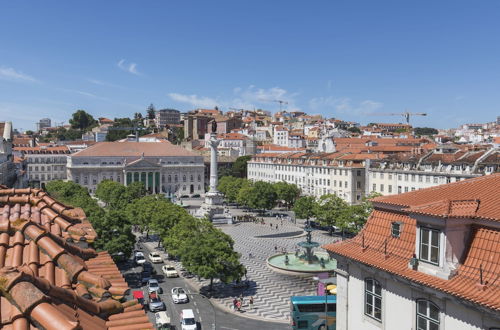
<point x="343" y="59"/>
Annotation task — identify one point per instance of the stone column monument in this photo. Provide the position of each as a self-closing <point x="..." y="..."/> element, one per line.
<point x="213" y="196"/>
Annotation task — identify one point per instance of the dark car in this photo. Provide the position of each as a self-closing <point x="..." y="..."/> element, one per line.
<point x="146" y="276"/>
<point x="147" y="266"/>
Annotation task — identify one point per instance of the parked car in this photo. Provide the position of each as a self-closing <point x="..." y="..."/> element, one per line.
<point x="179" y="296"/>
<point x="188" y="321"/>
<point x="162" y="321"/>
<point x="155" y="257"/>
<point x="149" y="267"/>
<point x="155" y="303"/>
<point x="187" y="274"/>
<point x="154" y="286"/>
<point x="146" y="276"/>
<point x="139" y="295"/>
<point x="169" y="271"/>
<point x="139" y="258"/>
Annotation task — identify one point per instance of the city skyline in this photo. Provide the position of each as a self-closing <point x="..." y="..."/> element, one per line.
<point x="336" y="59"/>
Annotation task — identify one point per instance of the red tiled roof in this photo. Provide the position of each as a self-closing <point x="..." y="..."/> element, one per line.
<point x="473" y="198"/>
<point x="134" y="149"/>
<point x="47" y="280"/>
<point x="482" y="188"/>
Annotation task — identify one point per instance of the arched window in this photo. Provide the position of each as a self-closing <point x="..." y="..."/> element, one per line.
<point x="427" y="315"/>
<point x="192" y="178"/>
<point x="199" y="177"/>
<point x="169" y="178"/>
<point x="183" y="178"/>
<point x="175" y="178"/>
<point x="373" y="299"/>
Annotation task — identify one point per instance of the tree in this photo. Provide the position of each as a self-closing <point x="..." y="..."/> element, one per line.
<point x="82" y="121"/>
<point x="331" y="210"/>
<point x="354" y="129"/>
<point x="261" y="196"/>
<point x="211" y="255"/>
<point x="230" y="187"/>
<point x="135" y="190"/>
<point x="114" y="135"/>
<point x="151" y="111"/>
<point x="287" y="192"/>
<point x="358" y="214"/>
<point x="112" y="194"/>
<point x="304" y="207"/>
<point x="137" y="117"/>
<point x="239" y="168"/>
<point x="244" y="193"/>
<point x="425" y="131"/>
<point x="29" y="132"/>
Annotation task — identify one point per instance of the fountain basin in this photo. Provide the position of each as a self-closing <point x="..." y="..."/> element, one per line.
<point x="298" y="265"/>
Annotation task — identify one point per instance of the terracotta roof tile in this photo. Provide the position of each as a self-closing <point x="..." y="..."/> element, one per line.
<point x="133" y="149"/>
<point x="47" y="279"/>
<point x="375" y="246"/>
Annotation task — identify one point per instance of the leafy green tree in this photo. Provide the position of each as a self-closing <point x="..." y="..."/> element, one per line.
<point x="261" y="196"/>
<point x="287" y="192"/>
<point x="82" y="121"/>
<point x="331" y="210"/>
<point x="354" y="129"/>
<point x="178" y="239"/>
<point x="244" y="192"/>
<point x="304" y="207"/>
<point x="114" y="135"/>
<point x="135" y="190"/>
<point x="151" y="111"/>
<point x="212" y="255"/>
<point x="29" y="132"/>
<point x="177" y="134"/>
<point x="425" y="131"/>
<point x="239" y="168"/>
<point x="137" y="118"/>
<point x="357" y="215"/>
<point x="230" y="187"/>
<point x="112" y="193"/>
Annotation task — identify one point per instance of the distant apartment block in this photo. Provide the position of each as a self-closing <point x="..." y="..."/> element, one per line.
<point x="166" y="117"/>
<point x="43" y="123"/>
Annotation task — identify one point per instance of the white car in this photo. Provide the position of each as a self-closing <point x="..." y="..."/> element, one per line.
<point x="153" y="286"/>
<point x="169" y="271"/>
<point x="139" y="258"/>
<point x="179" y="296"/>
<point x="187" y="320"/>
<point x="155" y="257"/>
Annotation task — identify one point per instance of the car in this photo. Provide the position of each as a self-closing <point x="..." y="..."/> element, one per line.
<point x="188" y="321"/>
<point x="149" y="267"/>
<point x="179" y="296"/>
<point x="155" y="303"/>
<point x="187" y="274"/>
<point x="139" y="295"/>
<point x="139" y="258"/>
<point x="155" y="257"/>
<point x="153" y="286"/>
<point x="162" y="320"/>
<point x="169" y="271"/>
<point x="146" y="276"/>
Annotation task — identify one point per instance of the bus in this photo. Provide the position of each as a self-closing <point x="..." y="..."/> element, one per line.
<point x="309" y="312"/>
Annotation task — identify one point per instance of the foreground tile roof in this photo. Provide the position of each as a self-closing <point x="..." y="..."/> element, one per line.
<point x="477" y="198"/>
<point x="47" y="280"/>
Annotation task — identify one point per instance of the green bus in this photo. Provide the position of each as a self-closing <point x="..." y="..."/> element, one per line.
<point x="313" y="312"/>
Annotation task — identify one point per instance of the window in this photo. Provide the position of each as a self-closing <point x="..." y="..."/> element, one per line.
<point x="374" y="187"/>
<point x="429" y="245"/>
<point x="406" y="189"/>
<point x="358" y="184"/>
<point x="169" y="178"/>
<point x="381" y="187"/>
<point x="427" y="315"/>
<point x="373" y="299"/>
<point x="390" y="176"/>
<point x="199" y="177"/>
<point x="389" y="187"/>
<point x="381" y="175"/>
<point x="427" y="178"/>
<point x="183" y="178"/>
<point x="358" y="172"/>
<point x="396" y="229"/>
<point x="435" y="179"/>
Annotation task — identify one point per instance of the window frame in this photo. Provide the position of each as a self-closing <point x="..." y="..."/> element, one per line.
<point x="373" y="297"/>
<point x="426" y="317"/>
<point x="429" y="245"/>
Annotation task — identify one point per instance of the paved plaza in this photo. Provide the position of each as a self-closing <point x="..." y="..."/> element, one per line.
<point x="271" y="290"/>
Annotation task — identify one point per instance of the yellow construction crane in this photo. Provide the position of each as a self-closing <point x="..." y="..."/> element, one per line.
<point x="405" y="114"/>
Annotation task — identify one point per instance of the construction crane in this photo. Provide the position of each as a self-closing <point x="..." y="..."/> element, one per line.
<point x="281" y="102"/>
<point x="405" y="114"/>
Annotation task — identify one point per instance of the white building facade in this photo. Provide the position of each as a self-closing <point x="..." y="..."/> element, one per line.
<point x="161" y="166"/>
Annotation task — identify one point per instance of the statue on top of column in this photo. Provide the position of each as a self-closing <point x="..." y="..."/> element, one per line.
<point x="214" y="126"/>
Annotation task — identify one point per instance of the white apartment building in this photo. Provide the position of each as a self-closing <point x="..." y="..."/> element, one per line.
<point x="44" y="163"/>
<point x="167" y="117"/>
<point x="160" y="165"/>
<point x="280" y="136"/>
<point x="403" y="173"/>
<point x="316" y="174"/>
<point x="425" y="260"/>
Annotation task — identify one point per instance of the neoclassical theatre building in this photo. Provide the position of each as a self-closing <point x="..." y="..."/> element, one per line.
<point x="160" y="165"/>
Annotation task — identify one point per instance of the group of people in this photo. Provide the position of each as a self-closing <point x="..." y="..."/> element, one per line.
<point x="238" y="303"/>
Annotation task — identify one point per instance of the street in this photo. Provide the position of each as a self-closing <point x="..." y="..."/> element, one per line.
<point x="207" y="315"/>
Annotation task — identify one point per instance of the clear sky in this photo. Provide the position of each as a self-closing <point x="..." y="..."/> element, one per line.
<point x="344" y="59"/>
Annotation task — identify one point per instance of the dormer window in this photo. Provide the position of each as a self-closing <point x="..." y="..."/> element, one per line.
<point x="396" y="229"/>
<point x="429" y="245"/>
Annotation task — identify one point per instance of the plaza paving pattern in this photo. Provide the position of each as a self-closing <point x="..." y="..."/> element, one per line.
<point x="271" y="290"/>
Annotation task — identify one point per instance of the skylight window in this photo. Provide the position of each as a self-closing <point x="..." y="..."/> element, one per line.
<point x="396" y="229"/>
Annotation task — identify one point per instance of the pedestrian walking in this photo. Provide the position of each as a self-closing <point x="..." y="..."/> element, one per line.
<point x="238" y="306"/>
<point x="242" y="301"/>
<point x="276" y="226"/>
<point x="235" y="303"/>
<point x="250" y="302"/>
<point x="271" y="225"/>
<point x="275" y="249"/>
